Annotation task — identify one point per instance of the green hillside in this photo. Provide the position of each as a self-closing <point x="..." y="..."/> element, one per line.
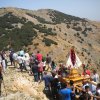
<point x="16" y="32"/>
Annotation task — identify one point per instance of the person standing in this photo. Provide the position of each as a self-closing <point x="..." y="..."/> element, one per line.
<point x="44" y="64"/>
<point x="92" y="86"/>
<point x="48" y="61"/>
<point x="86" y="71"/>
<point x="47" y="80"/>
<point x="15" y="59"/>
<point x="21" y="52"/>
<point x="53" y="65"/>
<point x="0" y="59"/>
<point x="11" y="57"/>
<point x="21" y="61"/>
<point x="85" y="83"/>
<point x="55" y="86"/>
<point x="73" y="89"/>
<point x="86" y="94"/>
<point x="40" y="70"/>
<point x="98" y="91"/>
<point x="39" y="56"/>
<point x="35" y="71"/>
<point x="87" y="90"/>
<point x="27" y="61"/>
<point x="95" y="76"/>
<point x="66" y="93"/>
<point x="1" y="77"/>
<point x="4" y="65"/>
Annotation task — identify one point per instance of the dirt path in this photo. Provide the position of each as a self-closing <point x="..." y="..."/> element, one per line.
<point x="20" y="86"/>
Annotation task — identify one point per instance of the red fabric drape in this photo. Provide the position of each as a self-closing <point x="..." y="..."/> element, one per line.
<point x="73" y="57"/>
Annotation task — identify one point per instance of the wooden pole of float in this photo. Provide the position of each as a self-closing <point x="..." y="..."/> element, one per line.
<point x="94" y="83"/>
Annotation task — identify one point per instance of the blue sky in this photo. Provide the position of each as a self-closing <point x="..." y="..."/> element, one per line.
<point x="82" y="8"/>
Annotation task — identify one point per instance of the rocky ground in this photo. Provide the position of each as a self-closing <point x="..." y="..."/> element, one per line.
<point x="20" y="86"/>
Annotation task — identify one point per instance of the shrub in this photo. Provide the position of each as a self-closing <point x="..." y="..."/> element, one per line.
<point x="47" y="31"/>
<point x="82" y="39"/>
<point x="68" y="26"/>
<point x="66" y="34"/>
<point x="88" y="29"/>
<point x="77" y="28"/>
<point x="16" y="37"/>
<point x="60" y="29"/>
<point x="48" y="42"/>
<point x="40" y="19"/>
<point x="75" y="24"/>
<point x="79" y="41"/>
<point x="54" y="29"/>
<point x="84" y="33"/>
<point x="90" y="44"/>
<point x="78" y="34"/>
<point x="36" y="44"/>
<point x="59" y="17"/>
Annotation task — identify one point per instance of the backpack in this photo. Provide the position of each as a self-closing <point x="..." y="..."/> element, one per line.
<point x="40" y="67"/>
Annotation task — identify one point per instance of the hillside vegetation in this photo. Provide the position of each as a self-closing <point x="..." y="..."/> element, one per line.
<point x="49" y="31"/>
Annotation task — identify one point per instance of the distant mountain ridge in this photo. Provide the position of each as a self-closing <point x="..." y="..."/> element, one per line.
<point x="50" y="31"/>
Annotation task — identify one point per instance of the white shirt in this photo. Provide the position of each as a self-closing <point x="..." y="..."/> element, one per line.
<point x="15" y="56"/>
<point x="96" y="78"/>
<point x="44" y="63"/>
<point x="0" y="59"/>
<point x="84" y="86"/>
<point x="27" y="55"/>
<point x="92" y="87"/>
<point x="89" y="92"/>
<point x="98" y="91"/>
<point x="20" y="59"/>
<point x="27" y="61"/>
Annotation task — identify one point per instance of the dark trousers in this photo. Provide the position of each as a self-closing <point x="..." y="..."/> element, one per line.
<point x="44" y="68"/>
<point x="0" y="86"/>
<point x="55" y="94"/>
<point x="36" y="77"/>
<point x="11" y="60"/>
<point x="22" y="66"/>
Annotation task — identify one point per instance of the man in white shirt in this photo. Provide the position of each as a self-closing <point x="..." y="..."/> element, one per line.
<point x="95" y="76"/>
<point x="92" y="86"/>
<point x="15" y="59"/>
<point x="85" y="83"/>
<point x="0" y="59"/>
<point x="87" y="89"/>
<point x="20" y="61"/>
<point x="98" y="91"/>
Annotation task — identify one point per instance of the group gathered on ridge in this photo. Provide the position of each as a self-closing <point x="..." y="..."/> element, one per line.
<point x="45" y="69"/>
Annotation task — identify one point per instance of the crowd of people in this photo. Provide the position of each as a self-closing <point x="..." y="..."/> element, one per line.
<point x="45" y="69"/>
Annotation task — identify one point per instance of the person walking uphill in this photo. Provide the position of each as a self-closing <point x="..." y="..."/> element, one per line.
<point x="1" y="77"/>
<point x="35" y="71"/>
<point x="95" y="76"/>
<point x="66" y="93"/>
<point x="40" y="70"/>
<point x="4" y="64"/>
<point x="47" y="78"/>
<point x="21" y="61"/>
<point x="15" y="59"/>
<point x="48" y="62"/>
<point x="39" y="56"/>
<point x="11" y="57"/>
